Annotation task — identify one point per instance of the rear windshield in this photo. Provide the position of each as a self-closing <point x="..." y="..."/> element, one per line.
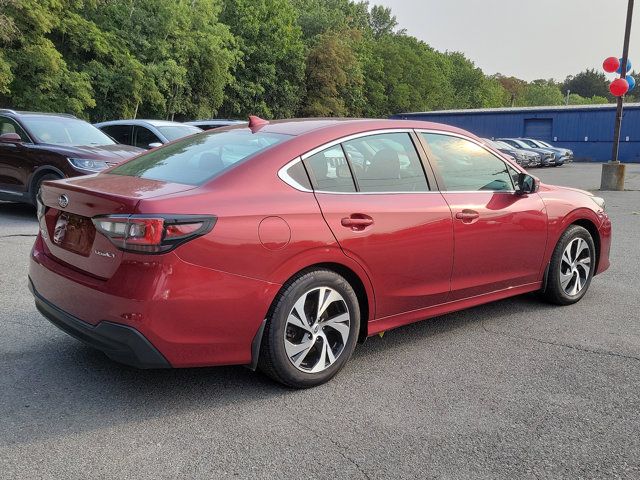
<point x="194" y="160"/>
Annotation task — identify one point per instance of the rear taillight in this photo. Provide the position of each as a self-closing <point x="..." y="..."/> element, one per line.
<point x="152" y="234"/>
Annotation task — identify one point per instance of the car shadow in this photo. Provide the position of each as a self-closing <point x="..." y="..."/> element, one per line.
<point x="60" y="378"/>
<point x="17" y="215"/>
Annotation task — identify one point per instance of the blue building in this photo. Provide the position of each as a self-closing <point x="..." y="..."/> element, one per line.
<point x="585" y="129"/>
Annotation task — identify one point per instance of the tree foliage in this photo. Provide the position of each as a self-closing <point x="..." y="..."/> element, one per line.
<point x="104" y="59"/>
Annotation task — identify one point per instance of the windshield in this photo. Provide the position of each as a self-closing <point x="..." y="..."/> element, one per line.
<point x="197" y="159"/>
<point x="65" y="131"/>
<point x="531" y="143"/>
<point x="174" y="132"/>
<point x="504" y="146"/>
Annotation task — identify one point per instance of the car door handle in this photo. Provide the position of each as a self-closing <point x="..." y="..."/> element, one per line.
<point x="467" y="215"/>
<point x="357" y="222"/>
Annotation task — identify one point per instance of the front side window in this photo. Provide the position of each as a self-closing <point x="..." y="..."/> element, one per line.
<point x="386" y="162"/>
<point x="466" y="166"/>
<point x="197" y="159"/>
<point x="329" y="171"/>
<point x="145" y="137"/>
<point x="65" y="131"/>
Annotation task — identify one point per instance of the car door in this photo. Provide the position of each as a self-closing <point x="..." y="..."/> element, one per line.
<point x="15" y="159"/>
<point x="144" y="137"/>
<point x="375" y="197"/>
<point x="500" y="237"/>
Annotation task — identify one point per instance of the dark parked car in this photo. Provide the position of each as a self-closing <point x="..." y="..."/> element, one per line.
<point x="215" y="123"/>
<point x="277" y="246"/>
<point x="35" y="147"/>
<point x="564" y="154"/>
<point x="146" y="134"/>
<point x="548" y="157"/>
<point x="521" y="157"/>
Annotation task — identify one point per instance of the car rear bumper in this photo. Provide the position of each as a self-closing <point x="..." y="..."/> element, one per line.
<point x="121" y="343"/>
<point x="191" y="315"/>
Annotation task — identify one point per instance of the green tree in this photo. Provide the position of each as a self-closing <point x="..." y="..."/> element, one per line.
<point x="541" y="93"/>
<point x="383" y="22"/>
<point x="269" y="78"/>
<point x="587" y="84"/>
<point x="316" y="17"/>
<point x="471" y="87"/>
<point x="334" y="78"/>
<point x="40" y="78"/>
<point x="412" y="75"/>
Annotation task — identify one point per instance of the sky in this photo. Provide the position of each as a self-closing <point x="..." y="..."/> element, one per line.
<point x="528" y="39"/>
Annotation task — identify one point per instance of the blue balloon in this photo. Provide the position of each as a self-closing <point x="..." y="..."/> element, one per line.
<point x="632" y="82"/>
<point x="628" y="66"/>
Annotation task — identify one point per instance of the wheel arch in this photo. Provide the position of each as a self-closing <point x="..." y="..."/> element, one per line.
<point x="595" y="234"/>
<point x="39" y="173"/>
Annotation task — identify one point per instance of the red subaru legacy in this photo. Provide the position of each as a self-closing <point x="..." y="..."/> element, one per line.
<point x="281" y="245"/>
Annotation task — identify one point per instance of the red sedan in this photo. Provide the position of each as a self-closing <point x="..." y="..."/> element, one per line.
<point x="281" y="245"/>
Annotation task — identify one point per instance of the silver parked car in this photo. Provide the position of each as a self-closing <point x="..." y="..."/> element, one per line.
<point x="146" y="133"/>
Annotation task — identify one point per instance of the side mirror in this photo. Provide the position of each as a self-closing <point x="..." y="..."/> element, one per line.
<point x="155" y="145"/>
<point x="527" y="184"/>
<point x="10" y="138"/>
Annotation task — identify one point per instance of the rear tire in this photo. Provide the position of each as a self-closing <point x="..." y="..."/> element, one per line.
<point x="38" y="184"/>
<point x="571" y="268"/>
<point x="300" y="348"/>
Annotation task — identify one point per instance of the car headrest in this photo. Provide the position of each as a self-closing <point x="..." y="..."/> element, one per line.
<point x="384" y="164"/>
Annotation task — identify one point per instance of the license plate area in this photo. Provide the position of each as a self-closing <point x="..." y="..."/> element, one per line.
<point x="74" y="233"/>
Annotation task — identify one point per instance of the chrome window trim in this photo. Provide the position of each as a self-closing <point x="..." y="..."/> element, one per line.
<point x="286" y="178"/>
<point x="333" y="143"/>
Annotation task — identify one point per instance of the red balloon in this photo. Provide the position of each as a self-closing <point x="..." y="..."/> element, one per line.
<point x="611" y="64"/>
<point x="619" y="87"/>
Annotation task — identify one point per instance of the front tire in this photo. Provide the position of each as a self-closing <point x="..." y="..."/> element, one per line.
<point x="572" y="267"/>
<point x="38" y="184"/>
<point x="311" y="330"/>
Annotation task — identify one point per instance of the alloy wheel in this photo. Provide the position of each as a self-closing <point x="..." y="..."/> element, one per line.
<point x="317" y="330"/>
<point x="575" y="266"/>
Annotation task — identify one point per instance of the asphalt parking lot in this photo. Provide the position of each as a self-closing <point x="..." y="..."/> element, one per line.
<point x="514" y="389"/>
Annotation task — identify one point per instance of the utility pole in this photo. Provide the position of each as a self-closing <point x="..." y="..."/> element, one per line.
<point x="613" y="171"/>
<point x="567" y="101"/>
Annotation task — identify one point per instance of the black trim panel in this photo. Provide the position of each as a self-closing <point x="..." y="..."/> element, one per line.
<point x="121" y="343"/>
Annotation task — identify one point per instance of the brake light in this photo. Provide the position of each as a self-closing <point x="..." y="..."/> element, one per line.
<point x="152" y="234"/>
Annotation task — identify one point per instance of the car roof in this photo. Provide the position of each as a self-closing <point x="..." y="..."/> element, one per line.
<point x="140" y="121"/>
<point x="216" y="121"/>
<point x="303" y="126"/>
<point x="22" y="113"/>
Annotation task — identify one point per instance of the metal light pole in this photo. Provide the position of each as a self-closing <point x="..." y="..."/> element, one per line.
<point x="613" y="171"/>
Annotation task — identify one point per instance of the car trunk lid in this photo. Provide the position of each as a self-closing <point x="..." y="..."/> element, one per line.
<point x="66" y="223"/>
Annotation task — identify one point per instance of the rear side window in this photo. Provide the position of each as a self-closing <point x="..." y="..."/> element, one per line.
<point x="466" y="166"/>
<point x="197" y="159"/>
<point x="7" y="125"/>
<point x="386" y="162"/>
<point x="329" y="171"/>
